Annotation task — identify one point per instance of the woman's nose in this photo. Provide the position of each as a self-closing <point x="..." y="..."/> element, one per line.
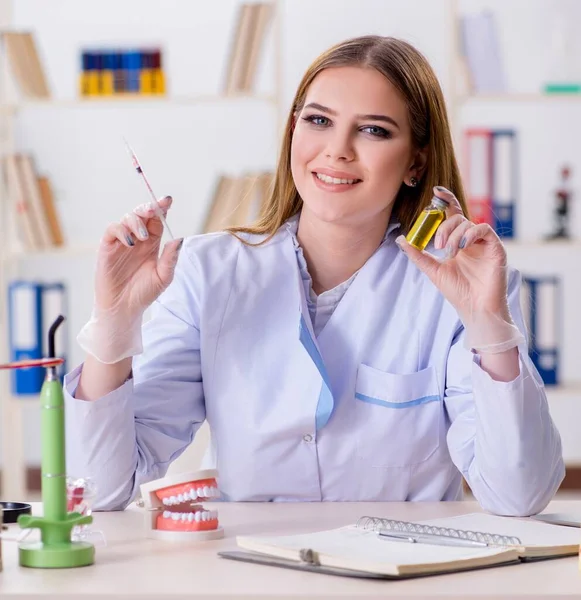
<point x="340" y="146"/>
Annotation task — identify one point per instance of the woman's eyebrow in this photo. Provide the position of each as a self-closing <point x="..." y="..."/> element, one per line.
<point x="330" y="111"/>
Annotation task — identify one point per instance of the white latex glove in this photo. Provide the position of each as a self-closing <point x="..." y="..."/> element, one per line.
<point x="130" y="275"/>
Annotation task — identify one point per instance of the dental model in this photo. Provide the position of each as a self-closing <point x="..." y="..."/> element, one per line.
<point x="173" y="509"/>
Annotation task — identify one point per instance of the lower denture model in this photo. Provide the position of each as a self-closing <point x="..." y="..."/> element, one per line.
<point x="173" y="507"/>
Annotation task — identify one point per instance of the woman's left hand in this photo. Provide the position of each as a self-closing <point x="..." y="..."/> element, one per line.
<point x="473" y="276"/>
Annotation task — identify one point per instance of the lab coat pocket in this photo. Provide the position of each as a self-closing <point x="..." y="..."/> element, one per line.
<point x="398" y="416"/>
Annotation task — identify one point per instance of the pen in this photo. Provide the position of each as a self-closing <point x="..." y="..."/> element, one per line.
<point x="438" y="540"/>
<point x="155" y="205"/>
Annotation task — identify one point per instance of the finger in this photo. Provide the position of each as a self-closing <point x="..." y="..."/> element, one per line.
<point x="168" y="260"/>
<point x="483" y="231"/>
<point x="456" y="239"/>
<point x="136" y="225"/>
<point x="424" y="261"/>
<point x="446" y="228"/>
<point x="147" y="210"/>
<point x="118" y="232"/>
<point x="454" y="207"/>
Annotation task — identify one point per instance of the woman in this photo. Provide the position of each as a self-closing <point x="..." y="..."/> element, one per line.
<point x="332" y="360"/>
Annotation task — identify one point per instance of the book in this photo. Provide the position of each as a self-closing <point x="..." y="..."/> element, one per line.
<point x="390" y="549"/>
<point x="481" y="47"/>
<point x="265" y="12"/>
<point x="237" y="200"/>
<point x="25" y="63"/>
<point x="240" y="48"/>
<point x="34" y="197"/>
<point x="24" y="218"/>
<point x="50" y="210"/>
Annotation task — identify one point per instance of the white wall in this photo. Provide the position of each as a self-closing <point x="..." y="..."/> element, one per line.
<point x="184" y="147"/>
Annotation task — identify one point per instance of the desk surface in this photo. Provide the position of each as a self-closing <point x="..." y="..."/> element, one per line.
<point x="131" y="565"/>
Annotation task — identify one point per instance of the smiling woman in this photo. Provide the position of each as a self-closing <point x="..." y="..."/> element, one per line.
<point x="365" y="90"/>
<point x="362" y="157"/>
<point x="331" y="359"/>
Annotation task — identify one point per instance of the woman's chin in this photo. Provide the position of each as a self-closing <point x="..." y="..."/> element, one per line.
<point x="329" y="214"/>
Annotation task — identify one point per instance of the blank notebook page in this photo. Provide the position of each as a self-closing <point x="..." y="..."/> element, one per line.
<point x="365" y="547"/>
<point x="530" y="532"/>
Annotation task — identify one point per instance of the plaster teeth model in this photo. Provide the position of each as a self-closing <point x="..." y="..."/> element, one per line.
<point x="173" y="507"/>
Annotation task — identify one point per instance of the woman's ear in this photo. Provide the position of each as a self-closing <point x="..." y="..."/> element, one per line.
<point x="418" y="166"/>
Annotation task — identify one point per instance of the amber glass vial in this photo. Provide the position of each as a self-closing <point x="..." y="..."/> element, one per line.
<point x="427" y="223"/>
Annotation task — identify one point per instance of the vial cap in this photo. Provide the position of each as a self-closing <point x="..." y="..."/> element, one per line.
<point x="440" y="202"/>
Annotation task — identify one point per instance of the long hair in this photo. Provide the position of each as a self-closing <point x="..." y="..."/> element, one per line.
<point x="411" y="74"/>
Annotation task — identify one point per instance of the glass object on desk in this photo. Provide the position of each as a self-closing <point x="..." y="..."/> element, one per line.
<point x="80" y="496"/>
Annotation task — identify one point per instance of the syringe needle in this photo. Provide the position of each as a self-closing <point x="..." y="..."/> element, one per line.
<point x="140" y="172"/>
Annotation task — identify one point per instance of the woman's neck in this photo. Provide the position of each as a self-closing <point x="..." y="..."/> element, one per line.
<point x="334" y="252"/>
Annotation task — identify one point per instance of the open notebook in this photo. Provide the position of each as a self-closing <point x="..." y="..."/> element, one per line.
<point x="383" y="548"/>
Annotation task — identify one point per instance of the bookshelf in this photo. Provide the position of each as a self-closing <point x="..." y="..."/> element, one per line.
<point x="238" y="95"/>
<point x="528" y="253"/>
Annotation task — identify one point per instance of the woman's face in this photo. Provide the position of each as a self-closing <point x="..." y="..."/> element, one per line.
<point x="351" y="147"/>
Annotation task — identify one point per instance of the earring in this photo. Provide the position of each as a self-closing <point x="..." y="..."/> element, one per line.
<point x="413" y="182"/>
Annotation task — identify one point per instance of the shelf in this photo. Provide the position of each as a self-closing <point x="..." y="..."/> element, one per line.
<point x="131" y="100"/>
<point x="519" y="97"/>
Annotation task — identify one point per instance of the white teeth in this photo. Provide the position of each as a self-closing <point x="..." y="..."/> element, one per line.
<point x="335" y="180"/>
<point x="200" y="492"/>
<point x="198" y="516"/>
<point x="173" y="500"/>
<point x="206" y="491"/>
<point x="165" y="501"/>
<point x="181" y="497"/>
<point x="193" y="494"/>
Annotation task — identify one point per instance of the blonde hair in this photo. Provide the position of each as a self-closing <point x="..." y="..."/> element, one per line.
<point x="411" y="74"/>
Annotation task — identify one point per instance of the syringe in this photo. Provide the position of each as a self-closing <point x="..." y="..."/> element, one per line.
<point x="155" y="204"/>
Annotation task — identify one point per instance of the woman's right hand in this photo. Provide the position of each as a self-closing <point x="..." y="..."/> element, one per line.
<point x="130" y="272"/>
<point x="130" y="275"/>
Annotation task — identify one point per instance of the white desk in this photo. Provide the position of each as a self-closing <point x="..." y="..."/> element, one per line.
<point x="133" y="566"/>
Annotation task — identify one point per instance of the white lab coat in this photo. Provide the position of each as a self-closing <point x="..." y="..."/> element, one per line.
<point x="385" y="404"/>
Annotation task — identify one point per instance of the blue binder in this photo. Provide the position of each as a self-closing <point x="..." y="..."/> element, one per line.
<point x="542" y="313"/>
<point x="132" y="67"/>
<point x="25" y="334"/>
<point x="504" y="181"/>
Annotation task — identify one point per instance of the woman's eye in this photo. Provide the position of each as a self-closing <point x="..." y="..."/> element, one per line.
<point x="377" y="131"/>
<point x="317" y="120"/>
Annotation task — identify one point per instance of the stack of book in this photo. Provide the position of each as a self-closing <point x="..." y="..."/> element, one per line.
<point x="25" y="64"/>
<point x="107" y="72"/>
<point x="32" y="204"/>
<point x="237" y="201"/>
<point x="251" y="28"/>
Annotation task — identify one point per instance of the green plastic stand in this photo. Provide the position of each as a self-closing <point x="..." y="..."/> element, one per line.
<point x="55" y="550"/>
